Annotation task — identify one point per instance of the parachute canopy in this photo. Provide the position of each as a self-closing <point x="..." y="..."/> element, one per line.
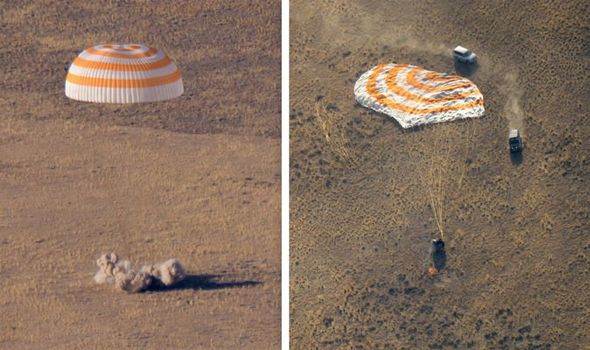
<point x="123" y="74"/>
<point x="414" y="96"/>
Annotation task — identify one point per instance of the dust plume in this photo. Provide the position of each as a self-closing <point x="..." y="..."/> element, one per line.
<point x="512" y="110"/>
<point x="439" y="49"/>
<point x="111" y="270"/>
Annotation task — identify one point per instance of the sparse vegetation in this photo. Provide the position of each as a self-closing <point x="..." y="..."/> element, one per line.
<point x="326" y="119"/>
<point x="518" y="256"/>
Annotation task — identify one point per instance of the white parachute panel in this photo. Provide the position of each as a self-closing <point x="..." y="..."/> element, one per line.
<point x="127" y="73"/>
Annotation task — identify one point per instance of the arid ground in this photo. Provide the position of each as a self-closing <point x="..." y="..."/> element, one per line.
<point x="366" y="194"/>
<point x="196" y="178"/>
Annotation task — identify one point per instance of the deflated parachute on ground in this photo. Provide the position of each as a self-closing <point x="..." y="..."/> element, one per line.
<point x="414" y="96"/>
<point x="123" y="74"/>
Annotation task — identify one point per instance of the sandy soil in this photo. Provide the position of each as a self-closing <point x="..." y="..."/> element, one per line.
<point x="365" y="193"/>
<point x="196" y="178"/>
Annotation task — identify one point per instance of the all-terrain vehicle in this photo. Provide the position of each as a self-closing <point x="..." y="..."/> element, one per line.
<point x="514" y="141"/>
<point x="463" y="55"/>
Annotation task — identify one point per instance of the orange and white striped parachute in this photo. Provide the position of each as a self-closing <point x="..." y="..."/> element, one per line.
<point x="123" y="74"/>
<point x="414" y="96"/>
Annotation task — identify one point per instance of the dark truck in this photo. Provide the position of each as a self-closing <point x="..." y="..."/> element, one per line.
<point x="514" y="141"/>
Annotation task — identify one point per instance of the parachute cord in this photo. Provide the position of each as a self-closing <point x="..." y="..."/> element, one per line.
<point x="436" y="214"/>
<point x="436" y="185"/>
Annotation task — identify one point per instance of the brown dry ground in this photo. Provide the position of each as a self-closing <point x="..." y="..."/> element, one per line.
<point x="196" y="178"/>
<point x="364" y="191"/>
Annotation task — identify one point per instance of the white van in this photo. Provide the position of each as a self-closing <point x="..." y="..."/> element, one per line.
<point x="463" y="55"/>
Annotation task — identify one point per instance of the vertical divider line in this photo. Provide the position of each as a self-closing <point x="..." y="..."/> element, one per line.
<point x="285" y="174"/>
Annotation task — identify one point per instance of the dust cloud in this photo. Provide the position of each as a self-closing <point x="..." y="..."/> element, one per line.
<point x="512" y="109"/>
<point x="111" y="270"/>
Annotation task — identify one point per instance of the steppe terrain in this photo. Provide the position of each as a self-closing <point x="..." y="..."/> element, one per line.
<point x="366" y="194"/>
<point x="196" y="178"/>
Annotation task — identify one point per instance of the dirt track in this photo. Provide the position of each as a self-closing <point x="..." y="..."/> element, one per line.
<point x="361" y="187"/>
<point x="196" y="178"/>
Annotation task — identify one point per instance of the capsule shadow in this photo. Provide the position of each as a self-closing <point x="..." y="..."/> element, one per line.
<point x="201" y="282"/>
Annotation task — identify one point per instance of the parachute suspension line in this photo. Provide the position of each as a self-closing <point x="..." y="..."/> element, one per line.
<point x="446" y="178"/>
<point x="415" y="96"/>
<point x="439" y="162"/>
<point x="336" y="141"/>
<point x="435" y="194"/>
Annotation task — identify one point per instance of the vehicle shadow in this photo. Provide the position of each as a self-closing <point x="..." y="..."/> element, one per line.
<point x="516" y="158"/>
<point x="464" y="69"/>
<point x="201" y="282"/>
<point x="439" y="259"/>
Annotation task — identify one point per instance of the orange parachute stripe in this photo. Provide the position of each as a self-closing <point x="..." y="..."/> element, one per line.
<point x="374" y="92"/>
<point x="119" y="48"/>
<point x="412" y="80"/>
<point x="434" y="76"/>
<point x="80" y="62"/>
<point x="123" y="83"/>
<point x="150" y="52"/>
<point x="392" y="86"/>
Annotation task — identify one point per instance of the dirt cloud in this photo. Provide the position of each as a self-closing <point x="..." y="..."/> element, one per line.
<point x="111" y="270"/>
<point x="512" y="109"/>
